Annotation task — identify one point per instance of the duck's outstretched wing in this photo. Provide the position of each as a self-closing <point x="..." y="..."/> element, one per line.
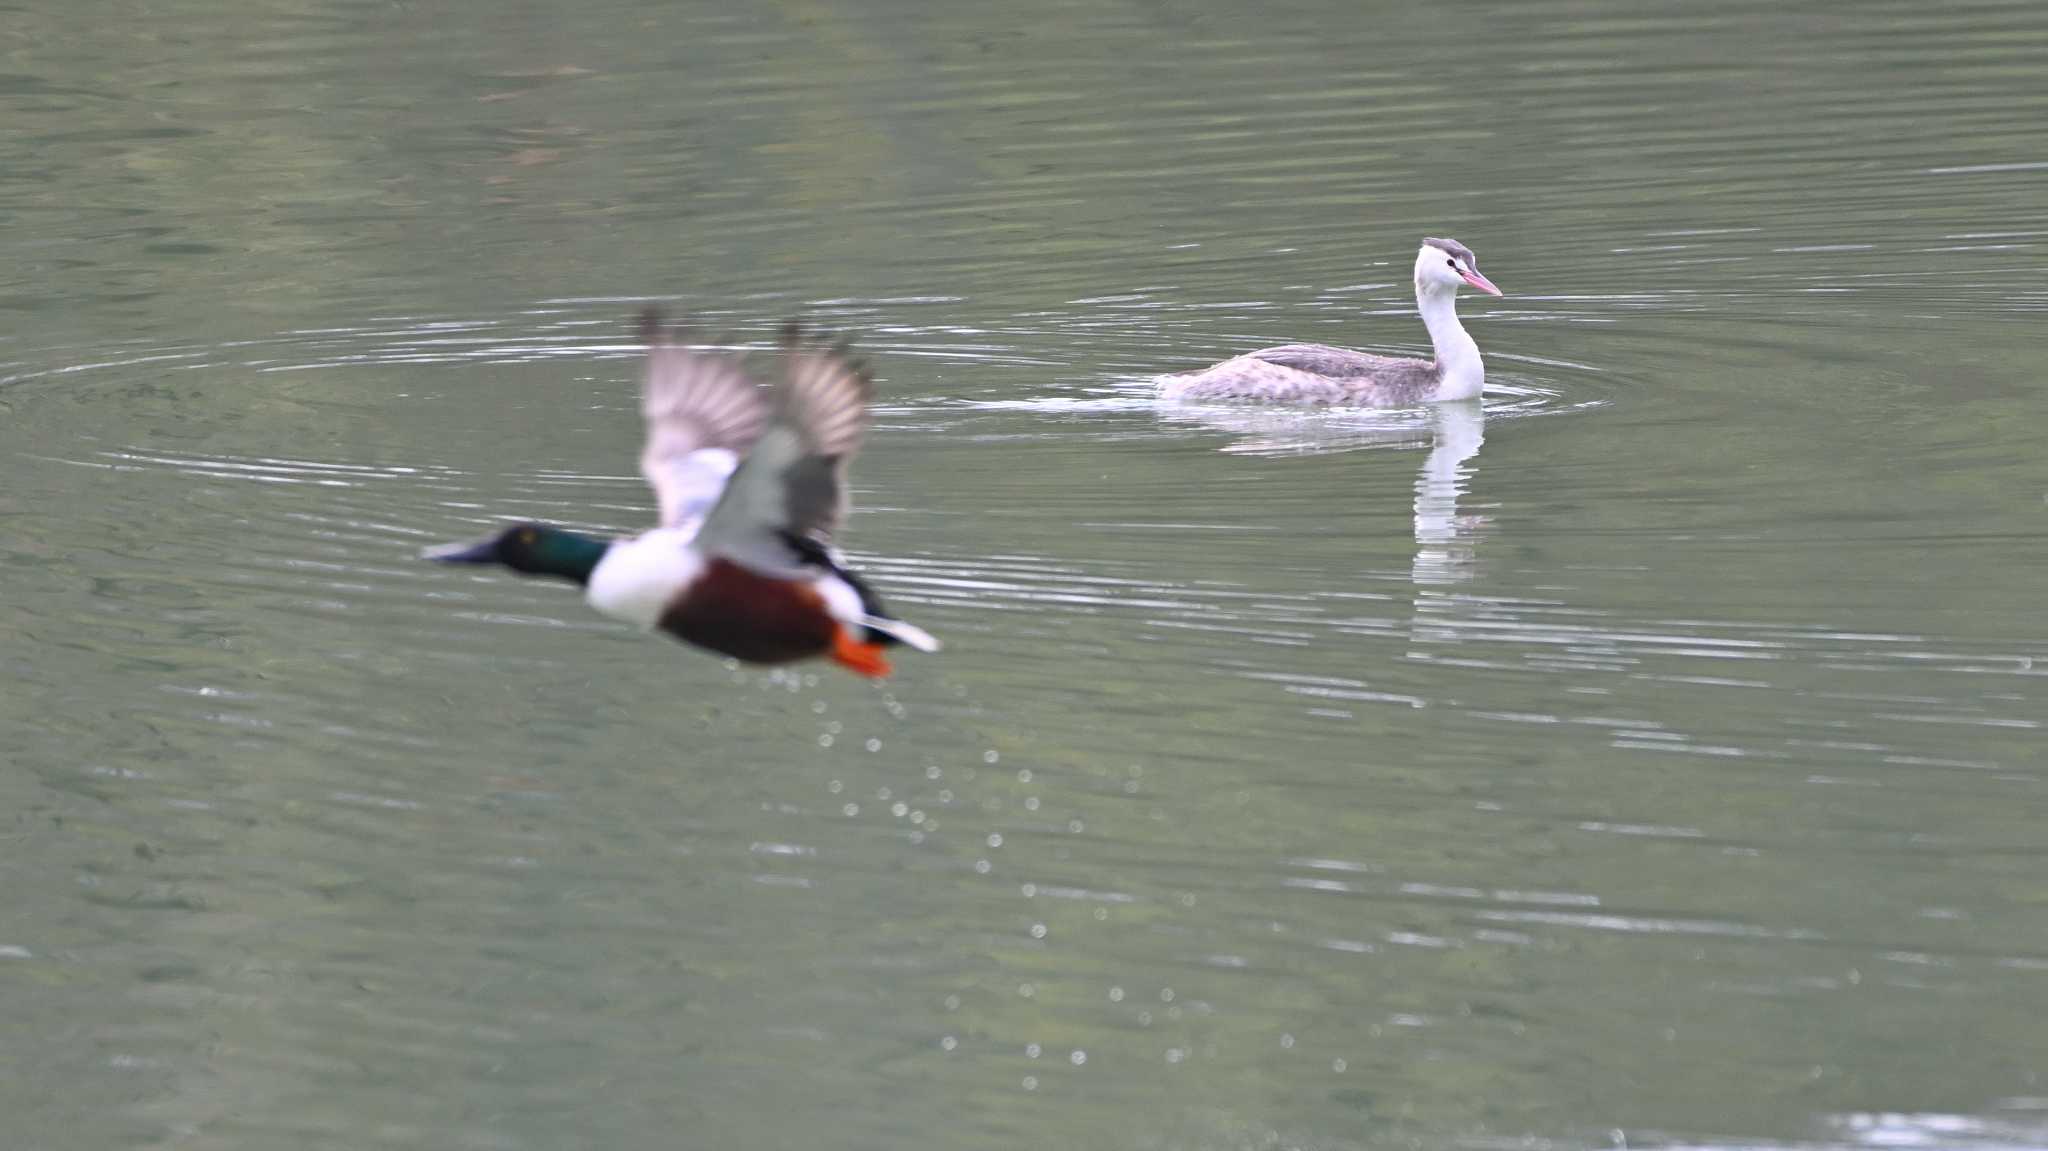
<point x="792" y="485"/>
<point x="702" y="413"/>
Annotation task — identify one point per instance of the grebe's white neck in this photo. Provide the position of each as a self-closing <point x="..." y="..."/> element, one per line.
<point x="1461" y="374"/>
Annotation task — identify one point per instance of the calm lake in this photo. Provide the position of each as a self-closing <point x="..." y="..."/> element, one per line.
<point x="1650" y="755"/>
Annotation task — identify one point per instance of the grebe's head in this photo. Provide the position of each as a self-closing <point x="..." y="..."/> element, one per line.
<point x="1442" y="265"/>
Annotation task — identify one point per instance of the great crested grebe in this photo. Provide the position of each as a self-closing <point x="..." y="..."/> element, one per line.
<point x="1320" y="374"/>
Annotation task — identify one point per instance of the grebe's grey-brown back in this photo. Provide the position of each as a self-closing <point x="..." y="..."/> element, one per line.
<point x="1320" y="374"/>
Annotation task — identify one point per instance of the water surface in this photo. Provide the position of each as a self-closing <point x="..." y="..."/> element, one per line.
<point x="1647" y="754"/>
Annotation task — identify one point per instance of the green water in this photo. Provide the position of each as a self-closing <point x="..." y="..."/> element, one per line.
<point x="1651" y="755"/>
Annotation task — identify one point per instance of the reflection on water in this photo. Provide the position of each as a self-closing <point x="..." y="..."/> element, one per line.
<point x="1649" y="757"/>
<point x="1446" y="544"/>
<point x="2019" y="1126"/>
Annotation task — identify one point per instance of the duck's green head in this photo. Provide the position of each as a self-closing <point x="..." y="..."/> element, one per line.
<point x="532" y="549"/>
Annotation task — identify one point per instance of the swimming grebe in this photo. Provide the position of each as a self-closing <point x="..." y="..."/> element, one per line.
<point x="1320" y="374"/>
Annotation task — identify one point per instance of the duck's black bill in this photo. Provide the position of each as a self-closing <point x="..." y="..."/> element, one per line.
<point x="481" y="552"/>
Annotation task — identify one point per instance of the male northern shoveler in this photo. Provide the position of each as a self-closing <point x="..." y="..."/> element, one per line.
<point x="752" y="484"/>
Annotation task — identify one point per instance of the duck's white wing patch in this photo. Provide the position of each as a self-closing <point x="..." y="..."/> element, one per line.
<point x="690" y="487"/>
<point x="702" y="411"/>
<point x="793" y="482"/>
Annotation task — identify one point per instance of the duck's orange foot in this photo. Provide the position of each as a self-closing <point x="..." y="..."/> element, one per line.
<point x="857" y="657"/>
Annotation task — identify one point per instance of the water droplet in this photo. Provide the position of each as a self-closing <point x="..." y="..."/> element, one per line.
<point x="882" y="793"/>
<point x="1038" y="931"/>
<point x="824" y="741"/>
<point x="851" y="809"/>
<point x="1116" y="995"/>
<point x="1074" y="825"/>
<point x="1286" y="1042"/>
<point x="1031" y="803"/>
<point x="1078" y="1057"/>
<point x="1338" y="1065"/>
<point x="1031" y="1050"/>
<point x="1026" y="990"/>
<point x="933" y="772"/>
<point x="990" y="756"/>
<point x="899" y="809"/>
<point x="1175" y="1055"/>
<point x="1031" y="1083"/>
<point x="981" y="866"/>
<point x="948" y="1043"/>
<point x="1024" y="775"/>
<point x="1166" y="995"/>
<point x="952" y="1003"/>
<point x="1030" y="890"/>
<point x="874" y="744"/>
<point x="995" y="839"/>
<point x="835" y="787"/>
<point x="916" y="816"/>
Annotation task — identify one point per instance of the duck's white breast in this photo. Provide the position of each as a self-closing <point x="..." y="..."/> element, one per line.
<point x="638" y="578"/>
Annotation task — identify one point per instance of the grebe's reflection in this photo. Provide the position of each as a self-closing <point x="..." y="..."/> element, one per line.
<point x="1446" y="543"/>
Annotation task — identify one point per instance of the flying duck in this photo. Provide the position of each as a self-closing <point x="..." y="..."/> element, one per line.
<point x="751" y="483"/>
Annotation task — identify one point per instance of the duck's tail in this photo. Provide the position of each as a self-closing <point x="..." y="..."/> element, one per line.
<point x="885" y="630"/>
<point x="879" y="627"/>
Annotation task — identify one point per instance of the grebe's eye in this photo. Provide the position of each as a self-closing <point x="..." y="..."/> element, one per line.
<point x="1451" y="263"/>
